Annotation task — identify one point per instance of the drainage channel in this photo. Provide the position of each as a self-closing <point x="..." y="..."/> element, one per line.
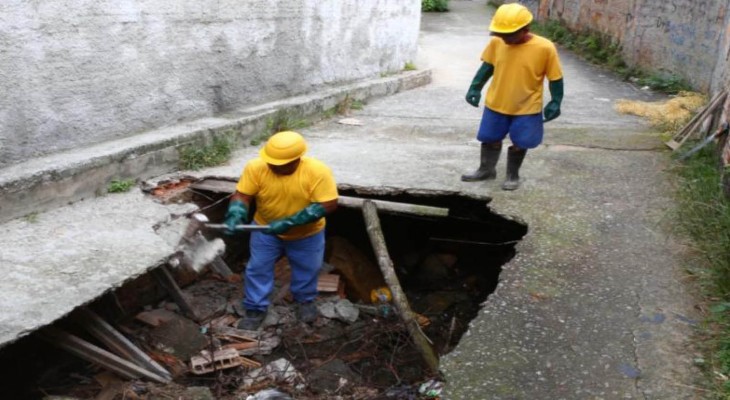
<point x="180" y="323"/>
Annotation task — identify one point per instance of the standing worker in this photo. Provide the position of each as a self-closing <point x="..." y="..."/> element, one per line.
<point x="518" y="62"/>
<point x="293" y="193"/>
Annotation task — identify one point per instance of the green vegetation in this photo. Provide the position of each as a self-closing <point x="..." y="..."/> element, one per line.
<point x="216" y="153"/>
<point x="434" y="5"/>
<point x="120" y="185"/>
<point x="32" y="218"/>
<point x="704" y="216"/>
<point x="357" y="105"/>
<point x="281" y="121"/>
<point x="603" y="50"/>
<point x="409" y="66"/>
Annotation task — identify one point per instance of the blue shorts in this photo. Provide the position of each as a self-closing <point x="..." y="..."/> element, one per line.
<point x="525" y="131"/>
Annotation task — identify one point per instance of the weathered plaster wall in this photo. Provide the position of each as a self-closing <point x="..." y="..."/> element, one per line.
<point x="74" y="72"/>
<point x="677" y="36"/>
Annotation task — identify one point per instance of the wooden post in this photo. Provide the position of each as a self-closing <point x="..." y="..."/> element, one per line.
<point x="372" y="223"/>
<point x="165" y="279"/>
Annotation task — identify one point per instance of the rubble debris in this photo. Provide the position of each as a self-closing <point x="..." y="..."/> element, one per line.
<point x="332" y="377"/>
<point x="224" y="358"/>
<point x="269" y="394"/>
<point x="180" y="337"/>
<point x="341" y="309"/>
<point x="155" y="317"/>
<point x="279" y="371"/>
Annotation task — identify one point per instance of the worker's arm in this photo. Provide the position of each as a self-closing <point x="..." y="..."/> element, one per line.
<point x="477" y="84"/>
<point x="308" y="214"/>
<point x="552" y="109"/>
<point x="237" y="211"/>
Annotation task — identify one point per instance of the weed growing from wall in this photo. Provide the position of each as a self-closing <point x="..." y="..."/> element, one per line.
<point x="120" y="185"/>
<point x="198" y="157"/>
<point x="603" y="50"/>
<point x="281" y="121"/>
<point x="434" y="5"/>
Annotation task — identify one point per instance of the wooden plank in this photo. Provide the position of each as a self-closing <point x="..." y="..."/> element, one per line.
<point x="117" y="342"/>
<point x="99" y="356"/>
<point x="696" y="121"/>
<point x="328" y="283"/>
<point x="165" y="279"/>
<point x="391" y="207"/>
<point x="377" y="239"/>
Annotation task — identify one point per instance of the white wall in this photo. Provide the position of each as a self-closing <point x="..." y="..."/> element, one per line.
<point x="75" y="72"/>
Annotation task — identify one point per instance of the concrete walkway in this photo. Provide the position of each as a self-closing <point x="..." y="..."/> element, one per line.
<point x="593" y="305"/>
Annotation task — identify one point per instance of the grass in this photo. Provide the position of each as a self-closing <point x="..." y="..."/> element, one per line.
<point x="434" y="5"/>
<point x="603" y="50"/>
<point x="195" y="158"/>
<point x="32" y="218"/>
<point x="704" y="217"/>
<point x="281" y="121"/>
<point x="409" y="66"/>
<point x="120" y="185"/>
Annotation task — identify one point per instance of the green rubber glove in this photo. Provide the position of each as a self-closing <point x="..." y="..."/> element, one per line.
<point x="306" y="215"/>
<point x="236" y="214"/>
<point x="552" y="109"/>
<point x="474" y="94"/>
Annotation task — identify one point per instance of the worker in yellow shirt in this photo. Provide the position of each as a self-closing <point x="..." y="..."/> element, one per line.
<point x="518" y="61"/>
<point x="292" y="195"/>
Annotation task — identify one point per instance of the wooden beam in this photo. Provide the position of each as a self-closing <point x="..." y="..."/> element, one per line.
<point x="165" y="279"/>
<point x="377" y="239"/>
<point x="117" y="342"/>
<point x="393" y="207"/>
<point x="97" y="355"/>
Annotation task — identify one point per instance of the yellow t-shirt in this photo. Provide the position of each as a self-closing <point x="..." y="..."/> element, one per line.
<point x="280" y="196"/>
<point x="519" y="70"/>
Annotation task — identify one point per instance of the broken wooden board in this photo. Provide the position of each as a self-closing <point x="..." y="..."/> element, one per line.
<point x="99" y="356"/>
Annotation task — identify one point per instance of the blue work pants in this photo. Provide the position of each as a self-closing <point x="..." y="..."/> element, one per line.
<point x="305" y="259"/>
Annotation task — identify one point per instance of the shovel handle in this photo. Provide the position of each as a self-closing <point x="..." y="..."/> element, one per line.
<point x="242" y="228"/>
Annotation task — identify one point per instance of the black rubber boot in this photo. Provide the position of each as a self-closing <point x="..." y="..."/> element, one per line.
<point x="251" y="320"/>
<point x="488" y="160"/>
<point x="515" y="156"/>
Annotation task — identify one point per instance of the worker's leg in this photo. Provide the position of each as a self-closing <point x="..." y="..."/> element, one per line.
<point x="526" y="132"/>
<point x="305" y="257"/>
<point x="492" y="130"/>
<point x="265" y="250"/>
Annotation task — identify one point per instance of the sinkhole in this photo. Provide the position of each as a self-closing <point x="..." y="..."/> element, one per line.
<point x="447" y="263"/>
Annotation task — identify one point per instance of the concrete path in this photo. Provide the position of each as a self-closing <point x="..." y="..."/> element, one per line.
<point x="593" y="305"/>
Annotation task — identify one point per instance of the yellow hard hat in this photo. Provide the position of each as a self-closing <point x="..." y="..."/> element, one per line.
<point x="510" y="18"/>
<point x="283" y="148"/>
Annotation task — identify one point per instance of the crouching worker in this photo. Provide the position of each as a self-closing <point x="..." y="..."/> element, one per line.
<point x="292" y="194"/>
